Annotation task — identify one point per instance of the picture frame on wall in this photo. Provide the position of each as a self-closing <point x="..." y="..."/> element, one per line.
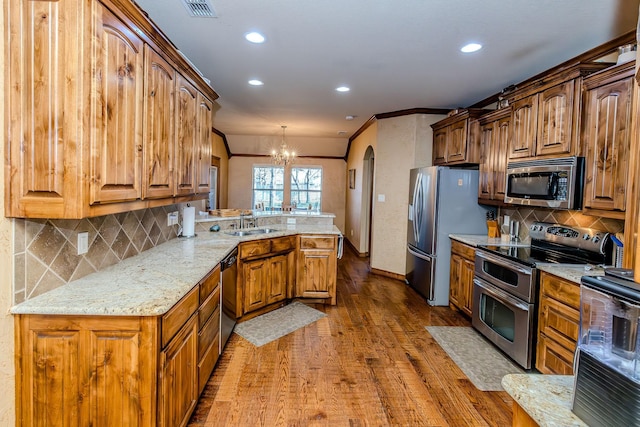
<point x="352" y="178"/>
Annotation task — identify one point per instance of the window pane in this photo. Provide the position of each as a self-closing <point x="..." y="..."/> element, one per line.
<point x="306" y="187"/>
<point x="268" y="186"/>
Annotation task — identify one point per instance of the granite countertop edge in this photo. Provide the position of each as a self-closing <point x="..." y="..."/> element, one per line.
<point x="547" y="399"/>
<point x="476" y="240"/>
<point x="150" y="283"/>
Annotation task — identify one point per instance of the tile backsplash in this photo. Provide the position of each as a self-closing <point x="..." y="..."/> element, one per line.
<point x="45" y="250"/>
<point x="527" y="216"/>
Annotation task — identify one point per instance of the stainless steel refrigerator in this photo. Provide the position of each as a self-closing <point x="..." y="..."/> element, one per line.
<point x="442" y="201"/>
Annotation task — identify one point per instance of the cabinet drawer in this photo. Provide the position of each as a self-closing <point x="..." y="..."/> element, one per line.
<point x="463" y="250"/>
<point x="209" y="283"/>
<point x="173" y="320"/>
<point x="282" y="244"/>
<point x="207" y="363"/>
<point x="253" y="249"/>
<point x="322" y="242"/>
<point x="208" y="307"/>
<point x="552" y="358"/>
<point x="208" y="333"/>
<point x="559" y="322"/>
<point x="562" y="290"/>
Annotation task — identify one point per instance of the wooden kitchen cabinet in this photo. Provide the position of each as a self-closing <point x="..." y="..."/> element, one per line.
<point x="558" y="324"/>
<point x="546" y="114"/>
<point x="83" y="140"/>
<point x="456" y="138"/>
<point x="266" y="273"/>
<point x="607" y="132"/>
<point x="118" y="370"/>
<point x="186" y="133"/>
<point x="317" y="267"/>
<point x="204" y="120"/>
<point x="495" y="132"/>
<point x="461" y="277"/>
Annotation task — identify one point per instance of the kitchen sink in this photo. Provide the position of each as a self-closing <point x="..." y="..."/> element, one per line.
<point x="250" y="232"/>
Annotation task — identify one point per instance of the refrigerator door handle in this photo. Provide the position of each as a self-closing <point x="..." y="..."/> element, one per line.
<point x="417" y="203"/>
<point x="418" y="254"/>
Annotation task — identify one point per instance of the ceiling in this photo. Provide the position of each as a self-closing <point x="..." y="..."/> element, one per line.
<point x="394" y="55"/>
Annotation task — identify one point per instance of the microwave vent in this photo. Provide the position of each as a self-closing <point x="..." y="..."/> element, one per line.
<point x="200" y="8"/>
<point x="564" y="161"/>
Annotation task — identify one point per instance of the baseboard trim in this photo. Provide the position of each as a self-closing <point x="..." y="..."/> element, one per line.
<point x="388" y="274"/>
<point x="354" y="250"/>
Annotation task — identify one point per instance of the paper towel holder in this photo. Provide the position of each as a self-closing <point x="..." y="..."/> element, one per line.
<point x="192" y="227"/>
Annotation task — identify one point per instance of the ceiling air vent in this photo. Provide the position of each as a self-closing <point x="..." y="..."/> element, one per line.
<point x="200" y="8"/>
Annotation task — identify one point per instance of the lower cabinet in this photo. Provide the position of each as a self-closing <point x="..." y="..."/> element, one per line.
<point x="265" y="273"/>
<point x="317" y="268"/>
<point x="117" y="370"/>
<point x="558" y="323"/>
<point x="461" y="277"/>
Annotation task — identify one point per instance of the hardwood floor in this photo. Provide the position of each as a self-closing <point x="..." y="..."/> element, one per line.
<point x="370" y="362"/>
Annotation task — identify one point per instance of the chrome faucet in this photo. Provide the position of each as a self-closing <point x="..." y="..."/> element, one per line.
<point x="241" y="220"/>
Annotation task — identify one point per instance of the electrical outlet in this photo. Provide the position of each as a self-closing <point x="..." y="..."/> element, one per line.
<point x="381" y="197"/>
<point x="291" y="220"/>
<point x="83" y="242"/>
<point x="352" y="233"/>
<point x="172" y="218"/>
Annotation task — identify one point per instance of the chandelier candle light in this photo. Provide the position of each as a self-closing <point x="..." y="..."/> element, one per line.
<point x="284" y="156"/>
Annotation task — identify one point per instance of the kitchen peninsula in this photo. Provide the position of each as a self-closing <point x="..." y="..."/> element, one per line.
<point x="136" y="341"/>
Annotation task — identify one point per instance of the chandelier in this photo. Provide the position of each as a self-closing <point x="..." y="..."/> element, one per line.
<point x="284" y="156"/>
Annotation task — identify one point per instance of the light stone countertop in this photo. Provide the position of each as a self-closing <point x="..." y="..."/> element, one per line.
<point x="150" y="283"/>
<point x="482" y="239"/>
<point x="269" y="214"/>
<point x="546" y="398"/>
<point x="571" y="272"/>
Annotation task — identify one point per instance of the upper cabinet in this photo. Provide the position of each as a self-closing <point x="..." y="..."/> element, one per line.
<point x="545" y="114"/>
<point x="456" y="138"/>
<point x="91" y="111"/>
<point x="607" y="133"/>
<point x="495" y="132"/>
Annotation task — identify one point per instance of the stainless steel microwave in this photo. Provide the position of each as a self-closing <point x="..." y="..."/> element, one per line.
<point x="550" y="183"/>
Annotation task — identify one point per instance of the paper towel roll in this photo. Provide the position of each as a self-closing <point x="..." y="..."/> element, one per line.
<point x="188" y="221"/>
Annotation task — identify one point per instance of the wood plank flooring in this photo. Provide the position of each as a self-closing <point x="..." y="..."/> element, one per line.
<point x="370" y="362"/>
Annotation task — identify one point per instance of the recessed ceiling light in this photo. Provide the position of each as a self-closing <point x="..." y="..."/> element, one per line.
<point x="350" y="117"/>
<point x="471" y="47"/>
<point x="254" y="37"/>
<point x="255" y="82"/>
<point x="343" y="89"/>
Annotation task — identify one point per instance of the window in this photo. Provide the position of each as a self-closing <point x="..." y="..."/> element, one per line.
<point x="268" y="186"/>
<point x="306" y="188"/>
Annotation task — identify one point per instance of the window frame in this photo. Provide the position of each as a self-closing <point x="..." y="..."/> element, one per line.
<point x="271" y="189"/>
<point x="307" y="190"/>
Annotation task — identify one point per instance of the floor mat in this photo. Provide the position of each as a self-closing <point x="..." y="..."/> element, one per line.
<point x="278" y="323"/>
<point x="483" y="363"/>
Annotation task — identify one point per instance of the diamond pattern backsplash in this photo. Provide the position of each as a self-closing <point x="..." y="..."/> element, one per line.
<point x="45" y="251"/>
<point x="527" y="216"/>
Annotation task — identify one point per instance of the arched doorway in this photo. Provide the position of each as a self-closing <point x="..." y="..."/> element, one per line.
<point x="368" y="163"/>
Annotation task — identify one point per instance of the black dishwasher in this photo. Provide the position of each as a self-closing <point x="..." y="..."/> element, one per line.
<point x="228" y="273"/>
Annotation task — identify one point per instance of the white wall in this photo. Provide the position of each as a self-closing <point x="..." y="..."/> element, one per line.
<point x="333" y="183"/>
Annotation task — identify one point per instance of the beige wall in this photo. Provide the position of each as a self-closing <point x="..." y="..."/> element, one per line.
<point x="7" y="370"/>
<point x="219" y="150"/>
<point x="400" y="144"/>
<point x="333" y="183"/>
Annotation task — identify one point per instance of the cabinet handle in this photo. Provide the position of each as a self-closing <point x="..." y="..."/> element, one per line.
<point x="139" y="147"/>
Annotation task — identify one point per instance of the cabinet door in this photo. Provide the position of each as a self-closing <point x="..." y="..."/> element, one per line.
<point x="555" y="120"/>
<point x="552" y="358"/>
<point x="466" y="288"/>
<point x="279" y="279"/>
<point x="500" y="150"/>
<point x="203" y="144"/>
<point x="186" y="133"/>
<point x="608" y="140"/>
<point x="457" y="142"/>
<point x="159" y="135"/>
<point x="524" y="114"/>
<point x="42" y="89"/>
<point x="316" y="274"/>
<point x="440" y="146"/>
<point x="179" y="376"/>
<point x="486" y="178"/>
<point x="256" y="282"/>
<point x="455" y="280"/>
<point x="116" y="147"/>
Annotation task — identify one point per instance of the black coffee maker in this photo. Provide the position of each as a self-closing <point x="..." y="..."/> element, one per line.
<point x="607" y="364"/>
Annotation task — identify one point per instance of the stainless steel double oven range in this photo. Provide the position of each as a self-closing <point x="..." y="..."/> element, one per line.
<point x="505" y="284"/>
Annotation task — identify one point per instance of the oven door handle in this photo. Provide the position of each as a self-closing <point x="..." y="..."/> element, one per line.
<point x="497" y="293"/>
<point x="503" y="263"/>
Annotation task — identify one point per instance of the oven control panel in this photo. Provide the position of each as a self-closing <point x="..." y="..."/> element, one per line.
<point x="584" y="238"/>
